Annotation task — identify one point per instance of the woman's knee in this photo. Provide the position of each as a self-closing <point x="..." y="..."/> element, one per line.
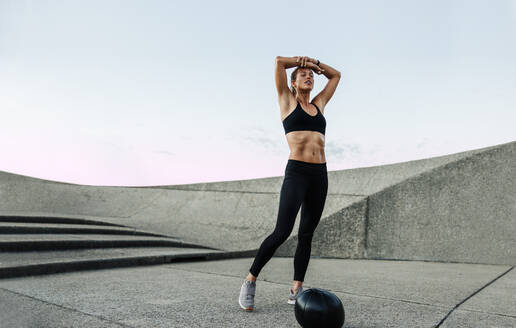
<point x="305" y="237"/>
<point x="279" y="237"/>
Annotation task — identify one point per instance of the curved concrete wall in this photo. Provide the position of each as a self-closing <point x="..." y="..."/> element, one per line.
<point x="464" y="211"/>
<point x="411" y="210"/>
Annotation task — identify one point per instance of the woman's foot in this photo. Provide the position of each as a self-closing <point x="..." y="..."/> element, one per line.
<point x="247" y="291"/>
<point x="293" y="296"/>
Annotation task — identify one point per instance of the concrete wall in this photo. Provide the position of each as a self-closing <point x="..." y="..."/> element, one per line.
<point x="458" y="207"/>
<point x="464" y="211"/>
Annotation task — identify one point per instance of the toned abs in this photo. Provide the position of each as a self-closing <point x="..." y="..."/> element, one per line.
<point x="306" y="146"/>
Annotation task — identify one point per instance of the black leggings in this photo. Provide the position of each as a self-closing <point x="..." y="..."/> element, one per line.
<point x="304" y="184"/>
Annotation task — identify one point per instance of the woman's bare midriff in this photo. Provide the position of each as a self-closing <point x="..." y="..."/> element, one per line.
<point x="306" y="146"/>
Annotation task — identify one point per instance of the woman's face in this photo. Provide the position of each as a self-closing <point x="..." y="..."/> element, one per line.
<point x="304" y="80"/>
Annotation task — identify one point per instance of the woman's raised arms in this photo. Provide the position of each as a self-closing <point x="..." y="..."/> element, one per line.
<point x="282" y="63"/>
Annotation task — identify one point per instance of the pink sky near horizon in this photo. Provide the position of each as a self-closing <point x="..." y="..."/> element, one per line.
<point x="150" y="168"/>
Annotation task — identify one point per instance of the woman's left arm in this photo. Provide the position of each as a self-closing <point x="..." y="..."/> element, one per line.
<point x="333" y="80"/>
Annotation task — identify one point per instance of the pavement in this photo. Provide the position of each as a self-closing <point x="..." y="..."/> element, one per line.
<point x="375" y="293"/>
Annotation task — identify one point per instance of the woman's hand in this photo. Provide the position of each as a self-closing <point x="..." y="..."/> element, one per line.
<point x="308" y="62"/>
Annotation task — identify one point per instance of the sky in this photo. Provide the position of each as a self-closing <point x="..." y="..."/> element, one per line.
<point x="141" y="93"/>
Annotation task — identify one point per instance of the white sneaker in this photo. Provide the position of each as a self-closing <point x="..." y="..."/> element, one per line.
<point x="293" y="296"/>
<point x="247" y="291"/>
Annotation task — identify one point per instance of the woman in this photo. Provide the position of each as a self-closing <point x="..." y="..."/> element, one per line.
<point x="306" y="180"/>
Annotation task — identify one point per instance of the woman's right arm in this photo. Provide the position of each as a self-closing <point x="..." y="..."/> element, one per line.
<point x="282" y="63"/>
<point x="287" y="62"/>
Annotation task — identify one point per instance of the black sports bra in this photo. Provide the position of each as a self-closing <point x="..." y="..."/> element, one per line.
<point x="301" y="120"/>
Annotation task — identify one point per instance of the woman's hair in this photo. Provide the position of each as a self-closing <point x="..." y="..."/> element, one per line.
<point x="293" y="77"/>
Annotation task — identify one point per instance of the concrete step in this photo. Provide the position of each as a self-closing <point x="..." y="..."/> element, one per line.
<point x="16" y="264"/>
<point x="53" y="219"/>
<point x="60" y="228"/>
<point x="33" y="242"/>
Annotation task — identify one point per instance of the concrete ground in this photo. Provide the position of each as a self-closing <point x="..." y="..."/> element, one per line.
<point x="375" y="293"/>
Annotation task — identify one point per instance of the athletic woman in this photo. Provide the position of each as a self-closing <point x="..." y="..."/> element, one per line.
<point x="306" y="181"/>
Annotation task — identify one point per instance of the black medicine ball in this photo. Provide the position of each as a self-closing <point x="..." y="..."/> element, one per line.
<point x="319" y="308"/>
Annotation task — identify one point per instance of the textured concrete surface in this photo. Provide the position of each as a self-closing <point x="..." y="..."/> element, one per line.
<point x="464" y="200"/>
<point x="28" y="242"/>
<point x="23" y="311"/>
<point x="29" y="227"/>
<point x="464" y="211"/>
<point x="23" y="264"/>
<point x="38" y="257"/>
<point x="205" y="294"/>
